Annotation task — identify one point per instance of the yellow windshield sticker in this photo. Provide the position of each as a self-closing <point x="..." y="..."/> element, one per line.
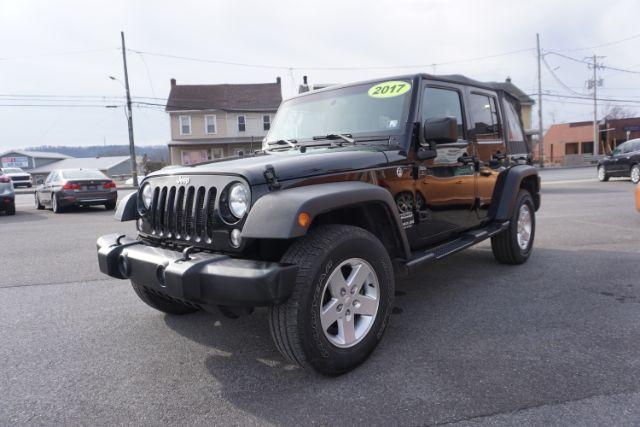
<point x="389" y="89"/>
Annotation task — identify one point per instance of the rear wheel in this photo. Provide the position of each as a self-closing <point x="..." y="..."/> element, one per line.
<point x="602" y="174"/>
<point x="11" y="209"/>
<point x="160" y="303"/>
<point x="514" y="245"/>
<point x="635" y="174"/>
<point x="110" y="206"/>
<point x="341" y="301"/>
<point x="55" y="206"/>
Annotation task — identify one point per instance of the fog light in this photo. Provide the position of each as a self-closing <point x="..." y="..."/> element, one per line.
<point x="161" y="275"/>
<point x="235" y="238"/>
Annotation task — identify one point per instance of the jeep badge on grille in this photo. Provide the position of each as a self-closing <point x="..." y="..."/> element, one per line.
<point x="183" y="180"/>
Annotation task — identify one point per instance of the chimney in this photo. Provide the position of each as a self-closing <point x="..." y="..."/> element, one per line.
<point x="304" y="80"/>
<point x="508" y="79"/>
<point x="278" y="80"/>
<point x="173" y="82"/>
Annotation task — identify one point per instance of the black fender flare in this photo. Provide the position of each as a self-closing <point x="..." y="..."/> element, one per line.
<point x="275" y="215"/>
<point x="127" y="208"/>
<point x="506" y="190"/>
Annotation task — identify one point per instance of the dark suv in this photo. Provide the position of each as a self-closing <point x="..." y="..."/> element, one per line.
<point x="355" y="186"/>
<point x="623" y="161"/>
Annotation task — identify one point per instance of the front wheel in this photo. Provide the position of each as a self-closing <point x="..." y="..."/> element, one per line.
<point x="635" y="174"/>
<point x="602" y="174"/>
<point x="341" y="301"/>
<point x="55" y="206"/>
<point x="515" y="244"/>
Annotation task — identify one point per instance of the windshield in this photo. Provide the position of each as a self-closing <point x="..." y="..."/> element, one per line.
<point x="378" y="109"/>
<point x="13" y="170"/>
<point x="83" y="174"/>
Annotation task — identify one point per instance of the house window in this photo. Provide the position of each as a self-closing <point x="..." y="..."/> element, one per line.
<point x="210" y="124"/>
<point x="266" y="122"/>
<point x="587" y="147"/>
<point x="185" y="125"/>
<point x="571" y="148"/>
<point x="242" y="126"/>
<point x="216" y="153"/>
<point x="239" y="151"/>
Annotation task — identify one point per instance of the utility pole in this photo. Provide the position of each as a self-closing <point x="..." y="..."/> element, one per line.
<point x="132" y="148"/>
<point x="593" y="84"/>
<point x="540" y="128"/>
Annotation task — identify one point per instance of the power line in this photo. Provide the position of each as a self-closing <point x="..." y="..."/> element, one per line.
<point x="322" y="67"/>
<point x="635" y="36"/>
<point x="581" y="61"/>
<point x="554" y="75"/>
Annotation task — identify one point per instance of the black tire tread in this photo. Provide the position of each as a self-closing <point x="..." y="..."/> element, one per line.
<point x="503" y="245"/>
<point x="304" y="253"/>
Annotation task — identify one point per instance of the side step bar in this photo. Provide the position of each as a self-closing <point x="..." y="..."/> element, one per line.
<point x="470" y="238"/>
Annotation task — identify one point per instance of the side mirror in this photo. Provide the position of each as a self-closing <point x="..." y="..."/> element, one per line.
<point x="441" y="130"/>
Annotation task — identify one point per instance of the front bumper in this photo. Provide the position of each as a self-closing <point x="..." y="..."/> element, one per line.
<point x="205" y="279"/>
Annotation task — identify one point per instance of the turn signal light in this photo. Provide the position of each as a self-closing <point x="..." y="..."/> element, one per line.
<point x="304" y="219"/>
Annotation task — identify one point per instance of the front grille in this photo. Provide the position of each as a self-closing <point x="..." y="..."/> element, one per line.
<point x="183" y="213"/>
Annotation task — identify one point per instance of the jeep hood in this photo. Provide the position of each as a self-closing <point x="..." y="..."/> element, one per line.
<point x="290" y="164"/>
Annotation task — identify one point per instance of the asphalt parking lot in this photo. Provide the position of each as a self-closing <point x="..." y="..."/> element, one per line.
<point x="555" y="341"/>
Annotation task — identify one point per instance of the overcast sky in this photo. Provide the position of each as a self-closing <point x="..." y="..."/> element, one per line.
<point x="60" y="48"/>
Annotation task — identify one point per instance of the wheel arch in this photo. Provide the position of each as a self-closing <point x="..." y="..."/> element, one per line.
<point x="508" y="184"/>
<point x="275" y="215"/>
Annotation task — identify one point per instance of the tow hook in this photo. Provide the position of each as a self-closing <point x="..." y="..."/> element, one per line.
<point x="186" y="252"/>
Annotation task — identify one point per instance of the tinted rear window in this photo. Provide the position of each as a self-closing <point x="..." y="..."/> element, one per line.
<point x="83" y="174"/>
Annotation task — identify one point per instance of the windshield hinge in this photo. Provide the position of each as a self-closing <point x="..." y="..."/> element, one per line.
<point x="270" y="176"/>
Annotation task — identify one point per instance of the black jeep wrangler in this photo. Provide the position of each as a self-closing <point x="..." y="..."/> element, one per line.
<point x="355" y="186"/>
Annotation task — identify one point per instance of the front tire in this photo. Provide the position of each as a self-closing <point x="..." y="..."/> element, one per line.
<point x="515" y="244"/>
<point x="160" y="303"/>
<point x="635" y="174"/>
<point x="602" y="174"/>
<point x="341" y="301"/>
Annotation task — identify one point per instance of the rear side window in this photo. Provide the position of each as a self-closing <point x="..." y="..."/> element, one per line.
<point x="513" y="123"/>
<point x="439" y="103"/>
<point x="484" y="113"/>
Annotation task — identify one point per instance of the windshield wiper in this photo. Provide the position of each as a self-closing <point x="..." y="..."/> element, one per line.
<point x="347" y="137"/>
<point x="290" y="142"/>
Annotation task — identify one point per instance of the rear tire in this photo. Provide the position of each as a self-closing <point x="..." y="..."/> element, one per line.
<point x="55" y="206"/>
<point x="11" y="209"/>
<point x="110" y="206"/>
<point x="344" y="272"/>
<point x="515" y="244"/>
<point x="635" y="174"/>
<point x="160" y="303"/>
<point x="602" y="174"/>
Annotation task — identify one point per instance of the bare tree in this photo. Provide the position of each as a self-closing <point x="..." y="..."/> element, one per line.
<point x="613" y="112"/>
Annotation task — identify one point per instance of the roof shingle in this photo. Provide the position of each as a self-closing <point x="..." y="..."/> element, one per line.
<point x="228" y="97"/>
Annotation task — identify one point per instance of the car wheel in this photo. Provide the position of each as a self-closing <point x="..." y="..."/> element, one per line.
<point x="39" y="205"/>
<point x="110" y="206"/>
<point x="161" y="303"/>
<point x="341" y="301"/>
<point x="635" y="174"/>
<point x="55" y="207"/>
<point x="11" y="209"/>
<point x="515" y="244"/>
<point x="602" y="174"/>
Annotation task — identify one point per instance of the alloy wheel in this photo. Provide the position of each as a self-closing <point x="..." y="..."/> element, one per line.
<point x="525" y="225"/>
<point x="349" y="304"/>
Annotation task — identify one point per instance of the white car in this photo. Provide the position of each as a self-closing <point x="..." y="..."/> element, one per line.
<point x="18" y="176"/>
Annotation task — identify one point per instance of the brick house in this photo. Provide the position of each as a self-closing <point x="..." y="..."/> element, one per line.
<point x="215" y="121"/>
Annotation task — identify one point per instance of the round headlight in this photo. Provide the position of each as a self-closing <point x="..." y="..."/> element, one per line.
<point x="238" y="200"/>
<point x="147" y="196"/>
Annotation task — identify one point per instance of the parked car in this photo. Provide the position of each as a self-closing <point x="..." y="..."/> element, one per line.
<point x="624" y="161"/>
<point x="356" y="185"/>
<point x="76" y="187"/>
<point x="18" y="176"/>
<point x="7" y="195"/>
